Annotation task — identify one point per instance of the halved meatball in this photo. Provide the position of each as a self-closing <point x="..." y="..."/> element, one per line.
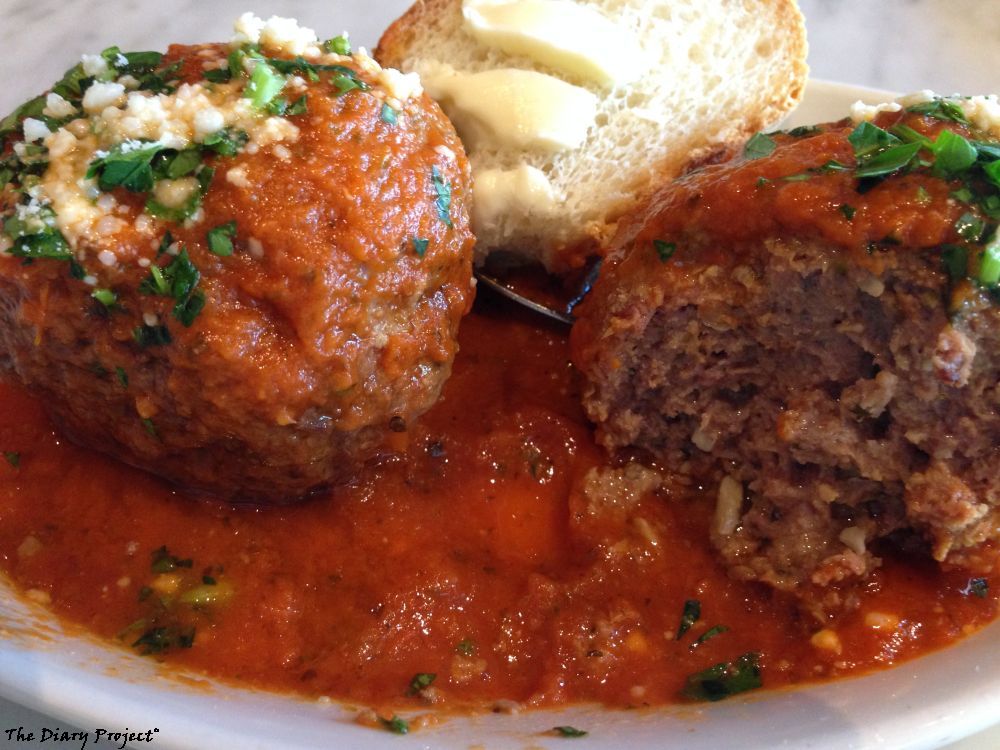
<point x="238" y="267"/>
<point x="817" y="329"/>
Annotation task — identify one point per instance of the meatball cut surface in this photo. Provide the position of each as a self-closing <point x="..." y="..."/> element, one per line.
<point x="241" y="267"/>
<point x="815" y="326"/>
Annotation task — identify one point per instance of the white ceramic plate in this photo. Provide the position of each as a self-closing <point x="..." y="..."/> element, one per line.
<point x="923" y="704"/>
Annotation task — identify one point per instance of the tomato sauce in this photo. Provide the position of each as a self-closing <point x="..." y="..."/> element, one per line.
<point x="474" y="557"/>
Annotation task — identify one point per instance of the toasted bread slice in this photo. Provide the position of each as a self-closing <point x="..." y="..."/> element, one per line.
<point x="718" y="72"/>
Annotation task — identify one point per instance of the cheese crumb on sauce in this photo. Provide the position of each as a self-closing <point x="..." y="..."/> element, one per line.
<point x="983" y="112"/>
<point x="114" y="114"/>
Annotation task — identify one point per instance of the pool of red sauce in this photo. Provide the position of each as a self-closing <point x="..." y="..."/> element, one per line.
<point x="472" y="558"/>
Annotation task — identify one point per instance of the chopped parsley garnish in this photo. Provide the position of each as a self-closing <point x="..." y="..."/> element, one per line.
<point x="164" y="562"/>
<point x="127" y="165"/>
<point x="159" y="639"/>
<point x="970" y="227"/>
<point x="887" y="161"/>
<point x="265" y="84"/>
<point x="989" y="262"/>
<point x="220" y="239"/>
<point x="664" y="250"/>
<point x="709" y="635"/>
<point x="281" y="107"/>
<point x="420" y="246"/>
<point x="388" y="114"/>
<point x="976" y="587"/>
<point x="339" y="45"/>
<point x="955" y="259"/>
<point x="759" y="146"/>
<point x="847" y="210"/>
<point x="568" y="731"/>
<point x="226" y="142"/>
<point x="442" y="192"/>
<point x="150" y="427"/>
<point x="36" y="241"/>
<point x="953" y="154"/>
<point x="940" y="109"/>
<point x="804" y="130"/>
<point x="725" y="679"/>
<point x="420" y="681"/>
<point x="105" y="296"/>
<point x="345" y="82"/>
<point x="13" y="458"/>
<point x="122" y="376"/>
<point x="177" y="280"/>
<point x="218" y="75"/>
<point x="193" y="203"/>
<point x="395" y="724"/>
<point x="466" y="647"/>
<point x="689" y="616"/>
<point x="146" y="335"/>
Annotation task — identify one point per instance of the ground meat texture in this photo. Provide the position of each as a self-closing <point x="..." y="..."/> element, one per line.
<point x="327" y="331"/>
<point x="792" y="332"/>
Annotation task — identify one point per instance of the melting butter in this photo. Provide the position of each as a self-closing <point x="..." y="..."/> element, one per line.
<point x="507" y="107"/>
<point x="572" y="38"/>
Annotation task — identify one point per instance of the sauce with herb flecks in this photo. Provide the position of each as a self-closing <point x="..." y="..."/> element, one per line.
<point x="469" y="570"/>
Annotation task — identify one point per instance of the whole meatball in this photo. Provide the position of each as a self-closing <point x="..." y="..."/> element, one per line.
<point x="239" y="267"/>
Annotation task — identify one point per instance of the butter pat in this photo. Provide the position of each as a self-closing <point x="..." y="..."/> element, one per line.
<point x="510" y="195"/>
<point x="572" y="38"/>
<point x="514" y="108"/>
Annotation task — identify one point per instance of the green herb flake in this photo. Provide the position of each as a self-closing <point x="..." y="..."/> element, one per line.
<point x="989" y="263"/>
<point x="127" y="165"/>
<point x="345" y="82"/>
<point x="970" y="227"/>
<point x="339" y="45"/>
<point x="208" y="581"/>
<point x="759" y="146"/>
<point x="940" y="109"/>
<point x="979" y="587"/>
<point x="13" y="458"/>
<point x="153" y="641"/>
<point x="265" y="84"/>
<point x="992" y="172"/>
<point x="709" y="635"/>
<point x="388" y="114"/>
<point x="226" y="142"/>
<point x="868" y="139"/>
<point x="887" y="161"/>
<point x="955" y="261"/>
<point x="171" y="213"/>
<point x="420" y="246"/>
<point x="218" y="75"/>
<point x="220" y="239"/>
<point x="804" y="130"/>
<point x="664" y="250"/>
<point x="420" y="681"/>
<point x="395" y="725"/>
<point x="163" y="562"/>
<point x="122" y="376"/>
<point x="144" y="593"/>
<point x="923" y="197"/>
<point x="299" y="107"/>
<point x="150" y="427"/>
<point x="953" y="154"/>
<point x="442" y="192"/>
<point x="147" y="336"/>
<point x="568" y="731"/>
<point x="105" y="296"/>
<point x="725" y="679"/>
<point x="466" y="647"/>
<point x="689" y="616"/>
<point x="762" y="181"/>
<point x="847" y="210"/>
